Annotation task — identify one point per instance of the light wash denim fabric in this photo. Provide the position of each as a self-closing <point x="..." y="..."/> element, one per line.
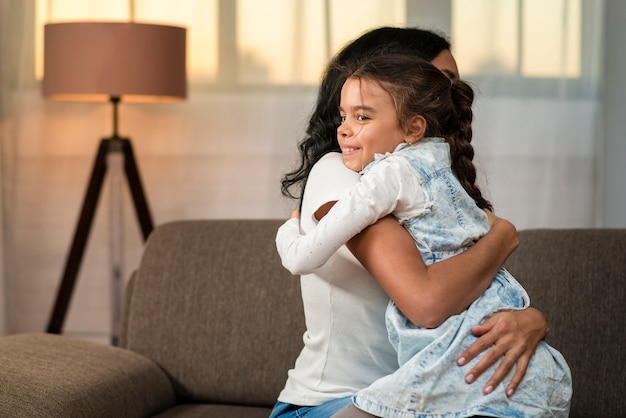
<point x="429" y="383"/>
<point x="325" y="410"/>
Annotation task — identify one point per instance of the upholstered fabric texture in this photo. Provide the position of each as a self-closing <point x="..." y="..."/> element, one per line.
<point x="211" y="308"/>
<point x="209" y="410"/>
<point x="576" y="277"/>
<point x="213" y="322"/>
<point x="45" y="375"/>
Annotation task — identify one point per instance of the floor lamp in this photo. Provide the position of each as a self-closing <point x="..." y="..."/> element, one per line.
<point x="114" y="62"/>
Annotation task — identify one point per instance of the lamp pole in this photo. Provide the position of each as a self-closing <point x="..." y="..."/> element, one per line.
<point x="107" y="146"/>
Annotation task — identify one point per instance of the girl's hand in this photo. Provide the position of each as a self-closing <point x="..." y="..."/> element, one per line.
<point x="514" y="336"/>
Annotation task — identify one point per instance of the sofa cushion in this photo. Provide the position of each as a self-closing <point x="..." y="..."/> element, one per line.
<point x="577" y="278"/>
<point x="181" y="313"/>
<point x="46" y="375"/>
<point x="215" y="411"/>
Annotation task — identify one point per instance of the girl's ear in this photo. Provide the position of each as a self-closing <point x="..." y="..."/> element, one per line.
<point x="416" y="129"/>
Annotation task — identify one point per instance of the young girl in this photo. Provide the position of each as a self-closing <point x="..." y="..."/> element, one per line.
<point x="407" y="128"/>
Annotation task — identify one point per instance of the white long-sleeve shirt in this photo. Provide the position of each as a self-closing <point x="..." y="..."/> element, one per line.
<point x="390" y="186"/>
<point x="345" y="344"/>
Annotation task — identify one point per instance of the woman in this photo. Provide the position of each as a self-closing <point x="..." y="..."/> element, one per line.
<point x="346" y="348"/>
<point x="407" y="129"/>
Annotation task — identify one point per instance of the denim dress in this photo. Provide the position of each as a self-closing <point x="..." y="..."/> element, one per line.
<point x="429" y="383"/>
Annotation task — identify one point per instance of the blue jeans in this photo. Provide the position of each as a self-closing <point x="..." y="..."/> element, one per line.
<point x="325" y="410"/>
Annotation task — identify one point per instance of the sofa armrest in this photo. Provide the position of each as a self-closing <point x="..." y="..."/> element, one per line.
<point x="45" y="375"/>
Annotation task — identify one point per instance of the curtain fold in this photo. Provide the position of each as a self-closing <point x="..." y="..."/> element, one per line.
<point x="537" y="74"/>
<point x="16" y="77"/>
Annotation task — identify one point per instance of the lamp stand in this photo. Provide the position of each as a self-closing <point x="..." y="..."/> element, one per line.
<point x="107" y="145"/>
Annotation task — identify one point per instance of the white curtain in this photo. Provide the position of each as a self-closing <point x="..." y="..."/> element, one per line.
<point x="537" y="69"/>
<point x="16" y="33"/>
<point x="221" y="153"/>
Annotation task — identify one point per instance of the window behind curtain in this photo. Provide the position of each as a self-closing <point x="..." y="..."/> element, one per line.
<point x="242" y="42"/>
<point x="528" y="47"/>
<point x="527" y="38"/>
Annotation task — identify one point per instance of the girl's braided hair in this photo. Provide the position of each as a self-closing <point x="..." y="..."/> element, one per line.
<point x="416" y="88"/>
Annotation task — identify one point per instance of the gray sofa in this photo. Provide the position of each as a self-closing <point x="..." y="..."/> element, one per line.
<point x="213" y="322"/>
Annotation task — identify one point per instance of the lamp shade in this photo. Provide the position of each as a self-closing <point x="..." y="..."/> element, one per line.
<point x="94" y="61"/>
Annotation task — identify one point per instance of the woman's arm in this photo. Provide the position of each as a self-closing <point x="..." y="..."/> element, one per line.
<point x="430" y="295"/>
<point x="388" y="252"/>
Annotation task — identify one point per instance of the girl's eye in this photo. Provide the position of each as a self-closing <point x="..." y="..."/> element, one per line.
<point x="361" y="118"/>
<point x="342" y="118"/>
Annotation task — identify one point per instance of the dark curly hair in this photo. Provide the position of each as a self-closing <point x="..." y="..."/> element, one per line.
<point x="321" y="132"/>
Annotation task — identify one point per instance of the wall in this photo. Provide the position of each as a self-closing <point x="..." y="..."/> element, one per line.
<point x="218" y="155"/>
<point x="613" y="165"/>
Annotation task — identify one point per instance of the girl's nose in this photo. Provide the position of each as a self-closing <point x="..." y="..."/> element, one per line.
<point x="343" y="130"/>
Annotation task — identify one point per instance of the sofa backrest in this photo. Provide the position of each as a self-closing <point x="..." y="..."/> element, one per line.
<point x="577" y="278"/>
<point x="212" y="305"/>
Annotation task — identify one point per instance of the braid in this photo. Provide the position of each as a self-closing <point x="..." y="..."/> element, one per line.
<point x="461" y="150"/>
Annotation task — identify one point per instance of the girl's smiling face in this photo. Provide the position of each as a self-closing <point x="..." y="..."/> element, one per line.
<point x="369" y="123"/>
